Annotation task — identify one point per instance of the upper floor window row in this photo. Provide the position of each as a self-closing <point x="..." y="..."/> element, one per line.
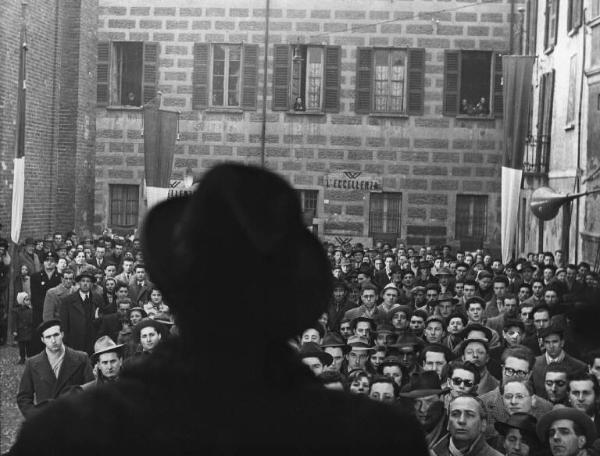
<point x="306" y="78"/>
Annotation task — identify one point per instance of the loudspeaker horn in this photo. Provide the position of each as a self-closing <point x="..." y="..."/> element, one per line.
<point x="546" y="202"/>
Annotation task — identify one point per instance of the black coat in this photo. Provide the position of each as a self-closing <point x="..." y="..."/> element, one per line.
<point x="287" y="413"/>
<point x="80" y="327"/>
<point x="40" y="283"/>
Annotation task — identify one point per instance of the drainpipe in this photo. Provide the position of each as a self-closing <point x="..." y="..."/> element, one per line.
<point x="579" y="115"/>
<point x="264" y="95"/>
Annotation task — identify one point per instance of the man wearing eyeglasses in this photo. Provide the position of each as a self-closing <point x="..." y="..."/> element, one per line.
<point x="517" y="364"/>
<point x="555" y="382"/>
<point x="553" y="339"/>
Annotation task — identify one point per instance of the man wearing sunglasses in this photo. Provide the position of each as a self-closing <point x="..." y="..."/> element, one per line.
<point x="463" y="378"/>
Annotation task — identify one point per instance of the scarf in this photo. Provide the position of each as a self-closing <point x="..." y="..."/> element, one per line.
<point x="56" y="360"/>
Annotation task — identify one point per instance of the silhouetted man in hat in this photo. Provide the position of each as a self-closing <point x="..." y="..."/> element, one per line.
<point x="282" y="407"/>
<point x="41" y="282"/>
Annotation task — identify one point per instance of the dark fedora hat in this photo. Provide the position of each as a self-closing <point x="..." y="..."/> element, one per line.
<point x="445" y="297"/>
<point x="424" y="384"/>
<point x="145" y="323"/>
<point x="524" y="422"/>
<point x="43" y="326"/>
<point x="567" y="413"/>
<point x="88" y="272"/>
<point x="236" y="205"/>
<point x="333" y="339"/>
<point x="312" y="350"/>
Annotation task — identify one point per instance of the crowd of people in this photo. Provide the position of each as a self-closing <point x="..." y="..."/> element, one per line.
<point x="489" y="358"/>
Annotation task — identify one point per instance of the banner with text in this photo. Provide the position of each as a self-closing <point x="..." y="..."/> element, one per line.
<point x="354" y="180"/>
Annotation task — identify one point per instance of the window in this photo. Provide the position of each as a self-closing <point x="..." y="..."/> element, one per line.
<point x="551" y="25"/>
<point x="572" y="91"/>
<point x="225" y="76"/>
<point x="544" y="123"/>
<point x="390" y="81"/>
<point x="575" y="15"/>
<point x="126" y="73"/>
<point x="532" y="22"/>
<point x="473" y="83"/>
<point x="124" y="205"/>
<point x="595" y="8"/>
<point x="471" y="220"/>
<point x="308" y="202"/>
<point x="384" y="215"/>
<point x="306" y="78"/>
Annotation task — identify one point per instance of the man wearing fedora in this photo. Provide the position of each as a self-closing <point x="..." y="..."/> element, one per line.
<point x="568" y="432"/>
<point x="517" y="435"/>
<point x="50" y="373"/>
<point x="77" y="313"/>
<point x="336" y="347"/>
<point x="425" y="392"/>
<point x="360" y="350"/>
<point x="282" y="408"/>
<point x="40" y="283"/>
<point x="28" y="257"/>
<point x="55" y="295"/>
<point x="107" y="360"/>
<point x="315" y="358"/>
<point x="467" y="422"/>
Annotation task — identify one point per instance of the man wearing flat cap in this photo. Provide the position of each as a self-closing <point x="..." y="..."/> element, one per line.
<point x="282" y="408"/>
<point x="335" y="345"/>
<point x="568" y="432"/>
<point x="77" y="312"/>
<point x="51" y="372"/>
<point x="40" y="283"/>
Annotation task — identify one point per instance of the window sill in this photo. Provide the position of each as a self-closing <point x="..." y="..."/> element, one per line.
<point x="467" y="117"/>
<point x="305" y="113"/>
<point x="572" y="32"/>
<point x="570" y="126"/>
<point x="123" y="108"/>
<point x="224" y="111"/>
<point x="389" y="114"/>
<point x="594" y="22"/>
<point x="593" y="71"/>
<point x="549" y="50"/>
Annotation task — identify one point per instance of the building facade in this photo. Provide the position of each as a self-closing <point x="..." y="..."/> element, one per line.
<point x="562" y="151"/>
<point x="386" y="116"/>
<point x="59" y="114"/>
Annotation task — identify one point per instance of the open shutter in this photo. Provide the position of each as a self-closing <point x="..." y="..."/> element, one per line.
<point x="200" y="76"/>
<point x="498" y="95"/>
<point x="150" y="73"/>
<point x="364" y="80"/>
<point x="451" y="82"/>
<point x="552" y="23"/>
<point x="281" y="77"/>
<point x="576" y="13"/>
<point x="548" y="101"/>
<point x="333" y="59"/>
<point x="250" y="75"/>
<point x="540" y="119"/>
<point x="416" y="82"/>
<point x="102" y="73"/>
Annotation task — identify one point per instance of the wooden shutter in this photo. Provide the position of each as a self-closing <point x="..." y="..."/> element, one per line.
<point x="250" y="76"/>
<point x="333" y="59"/>
<point x="451" y="82"/>
<point x="102" y="73"/>
<point x="498" y="95"/>
<point x="540" y="120"/>
<point x="532" y="12"/>
<point x="364" y="80"/>
<point x="416" y="82"/>
<point x="552" y="23"/>
<point x="576" y="13"/>
<point x="548" y="101"/>
<point x="281" y="77"/>
<point x="200" y="76"/>
<point x="150" y="71"/>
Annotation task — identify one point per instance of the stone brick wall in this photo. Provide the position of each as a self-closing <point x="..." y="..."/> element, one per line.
<point x="54" y="92"/>
<point x="429" y="158"/>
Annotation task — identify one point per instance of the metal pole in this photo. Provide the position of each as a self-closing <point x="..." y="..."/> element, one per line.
<point x="264" y="94"/>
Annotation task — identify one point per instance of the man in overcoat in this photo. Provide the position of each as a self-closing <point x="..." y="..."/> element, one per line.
<point x="227" y="397"/>
<point x="41" y="282"/>
<point x="52" y="371"/>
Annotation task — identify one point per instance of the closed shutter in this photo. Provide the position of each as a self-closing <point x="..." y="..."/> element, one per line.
<point x="553" y="23"/>
<point x="250" y="75"/>
<point x="150" y="72"/>
<point x="416" y="82"/>
<point x="498" y="95"/>
<point x="540" y="122"/>
<point x="547" y="127"/>
<point x="451" y="82"/>
<point x="576" y="14"/>
<point x="200" y="76"/>
<point x="102" y="73"/>
<point x="281" y="77"/>
<point x="532" y="11"/>
<point x="364" y="80"/>
<point x="333" y="58"/>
